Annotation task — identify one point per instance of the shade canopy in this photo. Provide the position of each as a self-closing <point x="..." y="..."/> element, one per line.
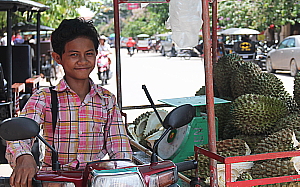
<point x="22" y="5"/>
<point x="23" y="27"/>
<point x="239" y="31"/>
<point x="143" y="35"/>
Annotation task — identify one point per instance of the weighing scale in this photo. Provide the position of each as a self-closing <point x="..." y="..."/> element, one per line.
<point x="178" y="145"/>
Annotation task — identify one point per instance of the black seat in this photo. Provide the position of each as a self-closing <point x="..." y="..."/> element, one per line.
<point x="22" y="62"/>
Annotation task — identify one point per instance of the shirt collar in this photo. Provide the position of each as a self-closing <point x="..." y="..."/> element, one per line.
<point x="63" y="86"/>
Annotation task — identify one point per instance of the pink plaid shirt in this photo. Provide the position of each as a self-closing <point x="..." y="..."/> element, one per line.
<point x="79" y="134"/>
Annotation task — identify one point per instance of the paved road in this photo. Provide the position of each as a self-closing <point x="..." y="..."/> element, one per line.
<point x="165" y="78"/>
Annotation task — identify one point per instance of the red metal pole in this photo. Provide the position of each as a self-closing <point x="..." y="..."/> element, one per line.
<point x="214" y="31"/>
<point x="118" y="55"/>
<point x="209" y="91"/>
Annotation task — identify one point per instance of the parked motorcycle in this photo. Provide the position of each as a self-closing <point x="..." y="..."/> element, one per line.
<point x="183" y="53"/>
<point x="103" y="63"/>
<point x="262" y="54"/>
<point x="117" y="173"/>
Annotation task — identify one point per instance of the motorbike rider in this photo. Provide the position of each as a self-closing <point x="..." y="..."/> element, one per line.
<point x="103" y="59"/>
<point x="89" y="122"/>
<point x="130" y="43"/>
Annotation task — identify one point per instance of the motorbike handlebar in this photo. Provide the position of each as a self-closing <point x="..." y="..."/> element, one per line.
<point x="186" y="165"/>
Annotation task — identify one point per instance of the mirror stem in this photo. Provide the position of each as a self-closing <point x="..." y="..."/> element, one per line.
<point x="154" y="153"/>
<point x="152" y="103"/>
<point x="55" y="162"/>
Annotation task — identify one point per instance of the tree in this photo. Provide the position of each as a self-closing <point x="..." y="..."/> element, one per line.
<point x="149" y="21"/>
<point x="258" y="14"/>
<point x="59" y="10"/>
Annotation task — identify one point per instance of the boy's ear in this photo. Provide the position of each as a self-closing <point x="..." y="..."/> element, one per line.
<point x="56" y="57"/>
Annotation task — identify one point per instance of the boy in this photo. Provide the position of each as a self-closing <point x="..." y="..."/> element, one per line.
<point x="89" y="123"/>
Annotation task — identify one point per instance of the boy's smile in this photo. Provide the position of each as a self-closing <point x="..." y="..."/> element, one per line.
<point x="78" y="59"/>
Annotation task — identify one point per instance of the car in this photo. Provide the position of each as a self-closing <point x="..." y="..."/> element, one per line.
<point x="285" y="56"/>
<point x="123" y="42"/>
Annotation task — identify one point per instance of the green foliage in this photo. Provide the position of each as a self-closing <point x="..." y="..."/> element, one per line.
<point x="150" y="20"/>
<point x="259" y="14"/>
<point x="59" y="10"/>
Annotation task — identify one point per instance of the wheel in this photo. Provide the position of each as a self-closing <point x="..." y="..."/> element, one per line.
<point x="269" y="66"/>
<point x="168" y="55"/>
<point x="187" y="55"/>
<point x="294" y="69"/>
<point x="163" y="52"/>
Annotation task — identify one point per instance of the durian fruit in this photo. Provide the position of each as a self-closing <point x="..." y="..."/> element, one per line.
<point x="229" y="147"/>
<point x="244" y="176"/>
<point x="222" y="112"/>
<point x="146" y="128"/>
<point x="297" y="88"/>
<point x="272" y="168"/>
<point x="143" y="141"/>
<point x="222" y="72"/>
<point x="201" y="91"/>
<point x="277" y="142"/>
<point x="242" y="79"/>
<point x="251" y="140"/>
<point x="230" y="131"/>
<point x="291" y="121"/>
<point x="140" y="124"/>
<point x="256" y="114"/>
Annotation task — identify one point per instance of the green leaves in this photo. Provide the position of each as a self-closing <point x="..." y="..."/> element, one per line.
<point x="259" y="14"/>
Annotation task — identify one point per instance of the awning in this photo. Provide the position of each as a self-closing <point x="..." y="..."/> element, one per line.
<point x="30" y="27"/>
<point x="22" y="5"/>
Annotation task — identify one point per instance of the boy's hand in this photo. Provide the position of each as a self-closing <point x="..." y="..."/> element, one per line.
<point x="24" y="171"/>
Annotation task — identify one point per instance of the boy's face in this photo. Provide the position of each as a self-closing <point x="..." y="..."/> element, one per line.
<point x="78" y="60"/>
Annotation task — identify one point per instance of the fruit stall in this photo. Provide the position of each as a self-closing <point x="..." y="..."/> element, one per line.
<point x="257" y="128"/>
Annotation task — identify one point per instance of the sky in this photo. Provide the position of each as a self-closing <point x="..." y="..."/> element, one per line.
<point x="85" y="12"/>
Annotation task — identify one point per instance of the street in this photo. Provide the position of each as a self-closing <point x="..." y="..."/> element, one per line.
<point x="164" y="77"/>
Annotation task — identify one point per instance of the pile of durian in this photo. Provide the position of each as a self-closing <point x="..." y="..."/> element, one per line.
<point x="261" y="113"/>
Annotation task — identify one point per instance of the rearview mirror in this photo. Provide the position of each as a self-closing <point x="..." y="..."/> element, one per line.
<point x="18" y="128"/>
<point x="179" y="117"/>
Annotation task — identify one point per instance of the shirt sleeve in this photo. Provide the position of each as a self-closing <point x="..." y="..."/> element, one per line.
<point x="117" y="142"/>
<point x="34" y="110"/>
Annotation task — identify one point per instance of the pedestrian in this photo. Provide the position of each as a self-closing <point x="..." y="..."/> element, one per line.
<point x="103" y="60"/>
<point x="130" y="43"/>
<point x="89" y="123"/>
<point x="3" y="41"/>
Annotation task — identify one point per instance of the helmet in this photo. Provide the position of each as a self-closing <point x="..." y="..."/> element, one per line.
<point x="130" y="38"/>
<point x="102" y="37"/>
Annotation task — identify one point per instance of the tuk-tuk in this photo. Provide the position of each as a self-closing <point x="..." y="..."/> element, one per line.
<point x="143" y="42"/>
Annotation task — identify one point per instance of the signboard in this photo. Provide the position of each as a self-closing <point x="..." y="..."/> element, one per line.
<point x="143" y="1"/>
<point x="131" y="6"/>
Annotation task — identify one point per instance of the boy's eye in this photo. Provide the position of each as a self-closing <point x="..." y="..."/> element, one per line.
<point x="73" y="54"/>
<point x="90" y="54"/>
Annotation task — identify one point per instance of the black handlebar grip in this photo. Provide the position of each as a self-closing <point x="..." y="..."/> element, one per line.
<point x="187" y="165"/>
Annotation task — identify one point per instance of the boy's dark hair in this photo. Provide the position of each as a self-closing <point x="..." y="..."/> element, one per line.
<point x="70" y="29"/>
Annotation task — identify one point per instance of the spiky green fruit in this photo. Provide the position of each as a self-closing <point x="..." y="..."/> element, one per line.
<point x="297" y="88"/>
<point x="256" y="114"/>
<point x="226" y="148"/>
<point x="277" y="142"/>
<point x="222" y="72"/>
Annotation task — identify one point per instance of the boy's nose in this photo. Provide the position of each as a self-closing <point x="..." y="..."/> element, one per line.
<point x="83" y="59"/>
